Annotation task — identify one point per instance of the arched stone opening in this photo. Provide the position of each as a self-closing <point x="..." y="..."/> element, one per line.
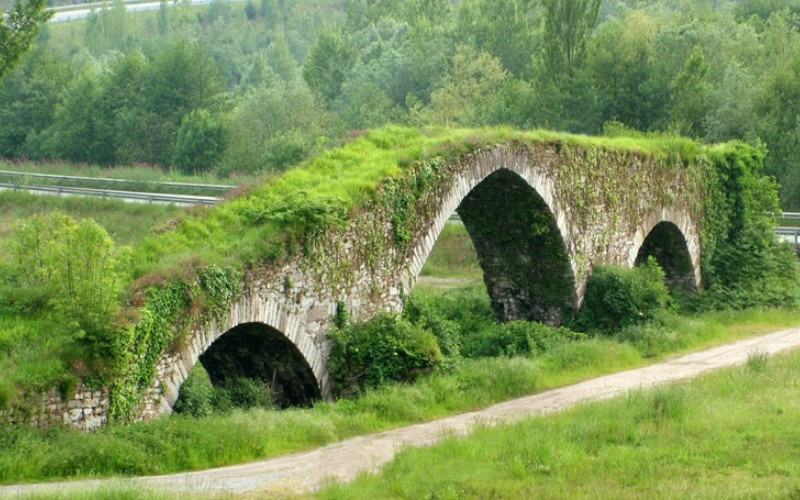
<point x="520" y="249"/>
<point x="667" y="244"/>
<point x="258" y="351"/>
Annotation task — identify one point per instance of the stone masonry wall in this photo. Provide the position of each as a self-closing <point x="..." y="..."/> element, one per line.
<point x="87" y="410"/>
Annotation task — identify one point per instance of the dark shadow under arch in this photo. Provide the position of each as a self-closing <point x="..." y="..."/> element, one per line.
<point x="258" y="351"/>
<point x="520" y="249"/>
<point x="667" y="245"/>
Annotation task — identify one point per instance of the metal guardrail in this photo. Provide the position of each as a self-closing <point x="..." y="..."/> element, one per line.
<point x="178" y="199"/>
<point x="210" y="187"/>
<point x="790" y="216"/>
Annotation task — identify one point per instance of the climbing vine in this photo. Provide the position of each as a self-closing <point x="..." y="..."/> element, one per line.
<point x="166" y="314"/>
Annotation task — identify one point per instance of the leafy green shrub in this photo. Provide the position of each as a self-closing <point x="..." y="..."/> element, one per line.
<point x="6" y="395"/>
<point x="383" y="349"/>
<point x="516" y="338"/>
<point x="243" y="392"/>
<point x="422" y="311"/>
<point x="69" y="268"/>
<point x="616" y="297"/>
<point x="72" y="261"/>
<point x="197" y="394"/>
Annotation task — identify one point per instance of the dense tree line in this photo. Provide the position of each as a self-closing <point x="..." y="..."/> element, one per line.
<point x="261" y="86"/>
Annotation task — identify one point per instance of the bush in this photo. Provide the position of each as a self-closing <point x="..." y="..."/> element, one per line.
<point x="617" y="297"/>
<point x="424" y="312"/>
<point x="197" y="394"/>
<point x="243" y="392"/>
<point x="384" y="349"/>
<point x="517" y="338"/>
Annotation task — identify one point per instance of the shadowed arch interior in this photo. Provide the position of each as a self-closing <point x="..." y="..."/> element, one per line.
<point x="258" y="351"/>
<point x="667" y="245"/>
<point x="520" y="249"/>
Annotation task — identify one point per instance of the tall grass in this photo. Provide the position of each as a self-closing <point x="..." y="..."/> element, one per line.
<point x="729" y="434"/>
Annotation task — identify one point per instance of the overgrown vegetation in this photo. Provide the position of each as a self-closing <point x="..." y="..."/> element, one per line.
<point x="727" y="434"/>
<point x="185" y="443"/>
<point x="618" y="297"/>
<point x="200" y="260"/>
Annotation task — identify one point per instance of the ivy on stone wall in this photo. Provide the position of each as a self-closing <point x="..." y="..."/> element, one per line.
<point x="168" y="310"/>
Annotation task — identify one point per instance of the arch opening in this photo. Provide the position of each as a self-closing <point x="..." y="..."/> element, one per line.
<point x="520" y="249"/>
<point x="261" y="353"/>
<point x="667" y="244"/>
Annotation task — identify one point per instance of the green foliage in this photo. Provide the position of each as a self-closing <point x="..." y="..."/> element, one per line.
<point x="382" y="350"/>
<point x="617" y="297"/>
<point x="18" y="28"/>
<point x="242" y="392"/>
<point x="197" y="394"/>
<point x="327" y="64"/>
<point x="743" y="265"/>
<point x="199" y="144"/>
<point x="71" y="267"/>
<point x="568" y="25"/>
<point x="516" y="338"/>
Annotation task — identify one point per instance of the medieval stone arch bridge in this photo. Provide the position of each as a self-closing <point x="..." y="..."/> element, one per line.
<point x="540" y="215"/>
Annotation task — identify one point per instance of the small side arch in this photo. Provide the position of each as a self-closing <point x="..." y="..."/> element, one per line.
<point x="260" y="352"/>
<point x="673" y="242"/>
<point x="250" y="317"/>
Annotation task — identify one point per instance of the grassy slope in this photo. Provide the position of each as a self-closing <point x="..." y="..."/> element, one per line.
<point x="729" y="434"/>
<point x="185" y="443"/>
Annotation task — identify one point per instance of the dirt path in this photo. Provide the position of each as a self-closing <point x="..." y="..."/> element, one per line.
<point x="303" y="472"/>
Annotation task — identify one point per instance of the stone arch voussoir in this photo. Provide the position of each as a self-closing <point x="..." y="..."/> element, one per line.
<point x="251" y="307"/>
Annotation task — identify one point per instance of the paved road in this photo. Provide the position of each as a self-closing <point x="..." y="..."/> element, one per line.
<point x="74" y="14"/>
<point x="303" y="472"/>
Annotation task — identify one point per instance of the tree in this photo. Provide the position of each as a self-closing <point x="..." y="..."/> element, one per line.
<point x="327" y="64"/>
<point x="72" y="262"/>
<point x="568" y="24"/>
<point x="689" y="94"/>
<point x="469" y="89"/>
<point x="199" y="144"/>
<point x="18" y="29"/>
<point x="505" y="29"/>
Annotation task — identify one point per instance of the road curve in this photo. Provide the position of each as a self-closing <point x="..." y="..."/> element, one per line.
<point x="308" y="471"/>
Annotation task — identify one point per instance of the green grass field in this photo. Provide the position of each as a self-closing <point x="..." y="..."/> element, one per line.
<point x="186" y="443"/>
<point x="731" y="434"/>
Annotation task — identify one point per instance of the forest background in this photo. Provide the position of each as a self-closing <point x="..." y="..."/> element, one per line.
<point x="258" y="86"/>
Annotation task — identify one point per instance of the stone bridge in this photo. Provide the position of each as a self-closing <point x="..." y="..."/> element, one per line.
<point x="540" y="215"/>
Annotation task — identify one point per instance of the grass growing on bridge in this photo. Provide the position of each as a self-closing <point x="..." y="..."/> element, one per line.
<point x="185" y="443"/>
<point x="729" y="434"/>
<point x="322" y="191"/>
